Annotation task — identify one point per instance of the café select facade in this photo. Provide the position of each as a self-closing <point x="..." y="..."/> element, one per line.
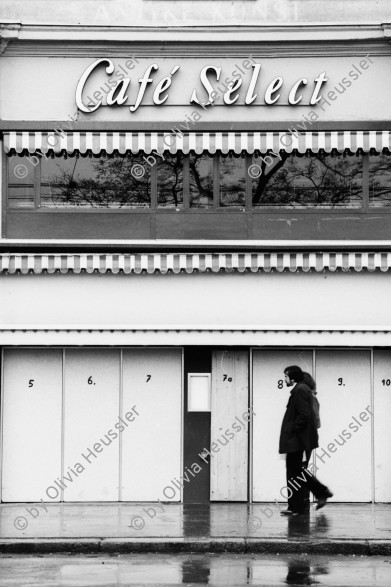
<point x="177" y="227"/>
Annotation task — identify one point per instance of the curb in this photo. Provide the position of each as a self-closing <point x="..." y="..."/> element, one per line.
<point x="50" y="545"/>
<point x="189" y="545"/>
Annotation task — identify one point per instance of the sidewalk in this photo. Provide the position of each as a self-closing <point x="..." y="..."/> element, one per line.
<point x="217" y="527"/>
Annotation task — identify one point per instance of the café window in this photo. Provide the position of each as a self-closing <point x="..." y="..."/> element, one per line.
<point x="197" y="195"/>
<point x="379" y="180"/>
<point x="178" y="181"/>
<point x="315" y="180"/>
<point x="170" y="181"/>
<point x="89" y="182"/>
<point x="21" y="183"/>
<point x="232" y="181"/>
<point x="201" y="180"/>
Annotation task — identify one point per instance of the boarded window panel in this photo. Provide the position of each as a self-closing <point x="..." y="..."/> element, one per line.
<point x="382" y="429"/>
<point x="151" y="449"/>
<point x="21" y="174"/>
<point x="380" y="180"/>
<point x="31" y="424"/>
<point x="201" y="181"/>
<point x="96" y="182"/>
<point x="229" y="426"/>
<point x="170" y="181"/>
<point x="344" y="392"/>
<point x="316" y="180"/>
<point x="232" y="181"/>
<point x="91" y="410"/>
<point x="270" y="396"/>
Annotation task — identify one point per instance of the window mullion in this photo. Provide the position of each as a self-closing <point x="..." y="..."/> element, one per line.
<point x="154" y="187"/>
<point x="216" y="180"/>
<point x="37" y="184"/>
<point x="186" y="182"/>
<point x="153" y="207"/>
<point x="247" y="163"/>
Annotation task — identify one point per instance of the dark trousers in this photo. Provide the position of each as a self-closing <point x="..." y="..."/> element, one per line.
<point x="300" y="482"/>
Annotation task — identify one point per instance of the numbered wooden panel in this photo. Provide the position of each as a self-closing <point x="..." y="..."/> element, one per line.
<point x="92" y="384"/>
<point x="32" y="398"/>
<point x="344" y="392"/>
<point x="270" y="397"/>
<point x="151" y="445"/>
<point x="382" y="420"/>
<point x="230" y="416"/>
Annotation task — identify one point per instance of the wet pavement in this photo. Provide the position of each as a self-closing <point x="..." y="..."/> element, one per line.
<point x="196" y="569"/>
<point x="116" y="520"/>
<point x="216" y="527"/>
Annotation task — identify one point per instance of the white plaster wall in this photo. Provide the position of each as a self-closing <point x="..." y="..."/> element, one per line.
<point x="185" y="12"/>
<point x="287" y="299"/>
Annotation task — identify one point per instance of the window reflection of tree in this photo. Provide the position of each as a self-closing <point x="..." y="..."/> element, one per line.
<point x="170" y="180"/>
<point x="306" y="181"/>
<point x="232" y="181"/>
<point x="380" y="179"/>
<point x="108" y="183"/>
<point x="315" y="180"/>
<point x="201" y="180"/>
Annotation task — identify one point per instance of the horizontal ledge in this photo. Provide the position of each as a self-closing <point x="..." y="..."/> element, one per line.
<point x="91" y="246"/>
<point x="258" y="33"/>
<point x="261" y="339"/>
<point x="166" y="126"/>
<point x="193" y="328"/>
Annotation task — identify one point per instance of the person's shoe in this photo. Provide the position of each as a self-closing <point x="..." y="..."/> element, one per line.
<point x="323" y="500"/>
<point x="288" y="513"/>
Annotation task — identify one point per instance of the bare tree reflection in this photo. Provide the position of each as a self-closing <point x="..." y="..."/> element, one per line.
<point x="170" y="180"/>
<point x="106" y="183"/>
<point x="380" y="179"/>
<point x="316" y="180"/>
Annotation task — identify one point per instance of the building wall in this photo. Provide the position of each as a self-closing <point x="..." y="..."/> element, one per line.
<point x="202" y="12"/>
<point x="50" y="45"/>
<point x="250" y="299"/>
<point x="45" y="88"/>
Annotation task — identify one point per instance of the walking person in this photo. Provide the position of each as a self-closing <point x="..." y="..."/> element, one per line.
<point x="310" y="381"/>
<point x="299" y="436"/>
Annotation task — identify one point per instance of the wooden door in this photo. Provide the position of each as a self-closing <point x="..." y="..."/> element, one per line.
<point x="229" y="426"/>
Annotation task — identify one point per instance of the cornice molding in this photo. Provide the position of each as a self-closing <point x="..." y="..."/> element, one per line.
<point x="217" y="48"/>
<point x="253" y="33"/>
<point x="273" y="40"/>
<point x="9" y="31"/>
<point x="387" y="31"/>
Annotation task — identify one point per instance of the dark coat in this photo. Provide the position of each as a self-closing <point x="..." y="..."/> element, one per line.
<point x="298" y="430"/>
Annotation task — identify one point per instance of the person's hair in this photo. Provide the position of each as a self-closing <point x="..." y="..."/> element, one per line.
<point x="309" y="380"/>
<point x="294" y="373"/>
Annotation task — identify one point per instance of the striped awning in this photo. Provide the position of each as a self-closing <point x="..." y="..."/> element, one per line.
<point x="129" y="263"/>
<point x="60" y="141"/>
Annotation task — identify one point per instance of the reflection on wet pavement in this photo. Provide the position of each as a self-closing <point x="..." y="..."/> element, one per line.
<point x="202" y="569"/>
<point x="220" y="520"/>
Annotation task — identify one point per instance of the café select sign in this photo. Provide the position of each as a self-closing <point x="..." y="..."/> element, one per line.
<point x="210" y="76"/>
